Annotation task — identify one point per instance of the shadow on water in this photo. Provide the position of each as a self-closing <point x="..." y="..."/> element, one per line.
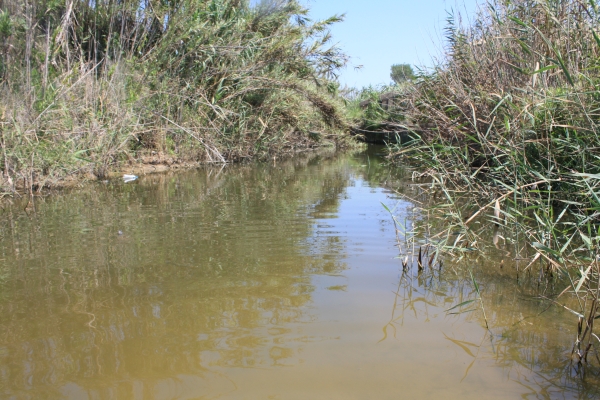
<point x="255" y="282"/>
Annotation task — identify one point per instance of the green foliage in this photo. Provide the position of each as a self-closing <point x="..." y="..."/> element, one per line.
<point x="512" y="99"/>
<point x="508" y="125"/>
<point x="377" y="109"/>
<point x="401" y="73"/>
<point x="207" y="81"/>
<point x="6" y="27"/>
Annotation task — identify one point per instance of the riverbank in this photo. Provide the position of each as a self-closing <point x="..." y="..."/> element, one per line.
<point x="156" y="164"/>
<point x="90" y="89"/>
<point x="505" y="130"/>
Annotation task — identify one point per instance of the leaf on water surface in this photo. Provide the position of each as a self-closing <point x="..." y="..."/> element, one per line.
<point x="423" y="300"/>
<point x="579" y="315"/>
<point x="384" y="334"/>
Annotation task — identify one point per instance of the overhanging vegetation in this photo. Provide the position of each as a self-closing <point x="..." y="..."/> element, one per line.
<point x="88" y="85"/>
<point x="507" y="125"/>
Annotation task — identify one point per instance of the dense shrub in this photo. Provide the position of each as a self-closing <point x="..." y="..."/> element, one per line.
<point x="86" y="85"/>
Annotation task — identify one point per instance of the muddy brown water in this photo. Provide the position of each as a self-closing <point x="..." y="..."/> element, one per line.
<point x="261" y="282"/>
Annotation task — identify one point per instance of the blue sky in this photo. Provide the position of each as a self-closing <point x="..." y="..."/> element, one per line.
<point x="379" y="33"/>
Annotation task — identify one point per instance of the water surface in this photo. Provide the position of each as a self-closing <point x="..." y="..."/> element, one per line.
<point x="275" y="281"/>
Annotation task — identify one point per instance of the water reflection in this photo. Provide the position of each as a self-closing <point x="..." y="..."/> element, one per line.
<point x="529" y="339"/>
<point x="263" y="281"/>
<point x="210" y="269"/>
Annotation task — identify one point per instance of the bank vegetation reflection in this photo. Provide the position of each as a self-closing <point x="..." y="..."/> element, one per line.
<point x="128" y="291"/>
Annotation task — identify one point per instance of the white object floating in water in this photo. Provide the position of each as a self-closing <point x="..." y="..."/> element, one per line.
<point x="129" y="178"/>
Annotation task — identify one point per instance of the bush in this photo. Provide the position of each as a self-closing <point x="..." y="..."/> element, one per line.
<point x="195" y="80"/>
<point x="402" y="73"/>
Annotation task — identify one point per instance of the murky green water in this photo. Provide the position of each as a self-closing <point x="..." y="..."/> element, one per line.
<point x="259" y="282"/>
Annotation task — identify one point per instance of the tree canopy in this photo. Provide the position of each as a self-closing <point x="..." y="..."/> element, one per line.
<point x="401" y="73"/>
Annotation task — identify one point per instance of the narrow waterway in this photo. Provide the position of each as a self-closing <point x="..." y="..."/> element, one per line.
<point x="264" y="281"/>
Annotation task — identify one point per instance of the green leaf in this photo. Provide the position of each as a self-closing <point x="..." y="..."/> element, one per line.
<point x="386" y="208"/>
<point x="586" y="240"/>
<point x="559" y="58"/>
<point x="546" y="249"/>
<point x="78" y="155"/>
<point x="596" y="37"/>
<point x="518" y="21"/>
<point x="539" y="71"/>
<point x="475" y="283"/>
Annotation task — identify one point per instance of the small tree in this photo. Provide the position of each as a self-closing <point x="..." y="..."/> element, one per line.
<point x="401" y="73"/>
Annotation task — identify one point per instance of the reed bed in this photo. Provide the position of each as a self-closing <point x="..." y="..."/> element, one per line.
<point x="506" y="133"/>
<point x="87" y="86"/>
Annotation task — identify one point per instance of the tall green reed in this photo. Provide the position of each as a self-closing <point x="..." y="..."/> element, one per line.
<point x="506" y="129"/>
